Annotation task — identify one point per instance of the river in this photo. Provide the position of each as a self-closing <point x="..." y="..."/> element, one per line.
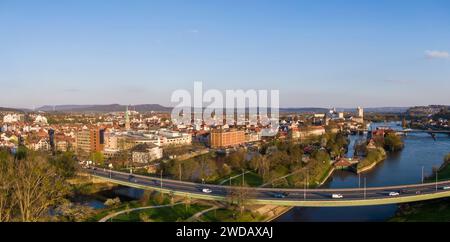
<point x="403" y="167"/>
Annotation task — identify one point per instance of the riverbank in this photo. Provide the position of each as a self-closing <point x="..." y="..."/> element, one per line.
<point x="429" y="211"/>
<point x="326" y="176"/>
<point x="421" y="153"/>
<point x="373" y="158"/>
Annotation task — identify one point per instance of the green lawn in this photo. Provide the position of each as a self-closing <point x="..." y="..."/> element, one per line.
<point x="252" y="179"/>
<point x="104" y="212"/>
<point x="226" y="215"/>
<point x="429" y="211"/>
<point x="221" y="179"/>
<point x="126" y="205"/>
<point x="166" y="214"/>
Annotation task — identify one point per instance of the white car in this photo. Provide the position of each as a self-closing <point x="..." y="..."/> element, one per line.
<point x="337" y="196"/>
<point x="206" y="190"/>
<point x="446" y="188"/>
<point x="392" y="194"/>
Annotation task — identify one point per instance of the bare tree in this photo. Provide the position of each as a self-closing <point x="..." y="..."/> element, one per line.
<point x="240" y="197"/>
<point x="37" y="187"/>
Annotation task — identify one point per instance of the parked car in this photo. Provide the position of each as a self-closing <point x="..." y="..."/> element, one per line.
<point x="446" y="188"/>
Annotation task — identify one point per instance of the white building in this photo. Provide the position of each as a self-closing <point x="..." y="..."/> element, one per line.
<point x="145" y="153"/>
<point x="12" y="118"/>
<point x="174" y="138"/>
<point x="40" y="120"/>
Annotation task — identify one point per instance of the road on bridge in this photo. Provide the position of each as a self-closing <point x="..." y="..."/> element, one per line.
<point x="272" y="195"/>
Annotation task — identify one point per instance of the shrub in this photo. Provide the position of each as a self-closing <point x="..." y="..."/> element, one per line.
<point x="112" y="202"/>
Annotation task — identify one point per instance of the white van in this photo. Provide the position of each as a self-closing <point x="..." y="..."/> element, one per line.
<point x="337" y="196"/>
<point x="206" y="190"/>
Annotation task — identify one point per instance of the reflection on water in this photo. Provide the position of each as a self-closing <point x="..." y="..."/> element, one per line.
<point x="403" y="167"/>
<point x="95" y="204"/>
<point x="345" y="214"/>
<point x="123" y="193"/>
<point x="128" y="193"/>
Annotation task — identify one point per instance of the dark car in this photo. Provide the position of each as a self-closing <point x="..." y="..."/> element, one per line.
<point x="280" y="195"/>
<point x="131" y="178"/>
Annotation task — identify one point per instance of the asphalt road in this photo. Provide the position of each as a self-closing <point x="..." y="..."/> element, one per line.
<point x="271" y="193"/>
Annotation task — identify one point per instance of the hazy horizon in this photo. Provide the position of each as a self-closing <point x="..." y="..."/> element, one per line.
<point x="168" y="106"/>
<point x="318" y="54"/>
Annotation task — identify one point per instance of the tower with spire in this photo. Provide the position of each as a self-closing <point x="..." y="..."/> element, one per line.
<point x="127" y="119"/>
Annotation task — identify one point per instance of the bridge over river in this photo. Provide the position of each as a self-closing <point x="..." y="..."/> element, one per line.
<point x="296" y="197"/>
<point x="428" y="131"/>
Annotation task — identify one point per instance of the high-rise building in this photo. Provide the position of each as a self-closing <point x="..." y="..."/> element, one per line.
<point x="220" y="138"/>
<point x="83" y="140"/>
<point x="90" y="139"/>
<point x="359" y="115"/>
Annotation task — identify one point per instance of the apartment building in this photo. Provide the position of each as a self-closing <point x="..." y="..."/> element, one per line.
<point x="225" y="138"/>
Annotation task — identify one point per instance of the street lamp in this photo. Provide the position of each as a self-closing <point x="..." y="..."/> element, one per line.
<point x="161" y="183"/>
<point x="110" y="169"/>
<point x="436" y="180"/>
<point x="304" y="191"/>
<point x="364" y="188"/>
<point x="243" y="177"/>
<point x="306" y="186"/>
<point x="359" y="180"/>
<point x="422" y="175"/>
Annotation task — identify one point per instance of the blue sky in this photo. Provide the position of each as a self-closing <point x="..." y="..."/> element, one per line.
<point x="317" y="53"/>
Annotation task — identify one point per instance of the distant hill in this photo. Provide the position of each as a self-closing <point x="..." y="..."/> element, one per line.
<point x="303" y="110"/>
<point x="104" y="108"/>
<point x="325" y="110"/>
<point x="160" y="108"/>
<point x="381" y="110"/>
<point x="3" y="109"/>
<point x="423" y="111"/>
